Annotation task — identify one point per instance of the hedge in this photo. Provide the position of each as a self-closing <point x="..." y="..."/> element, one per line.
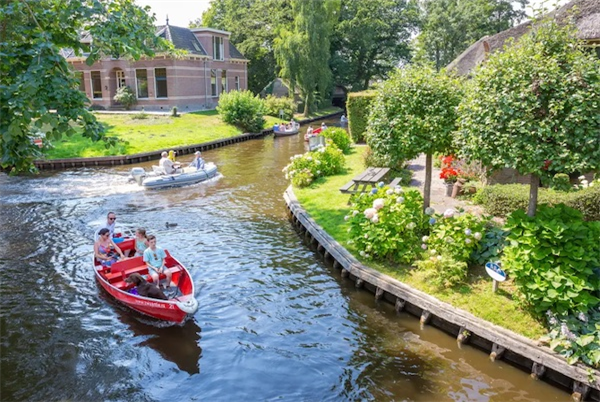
<point x="358" y="106"/>
<point x="502" y="199"/>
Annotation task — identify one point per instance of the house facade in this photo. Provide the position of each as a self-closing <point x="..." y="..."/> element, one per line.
<point x="211" y="66"/>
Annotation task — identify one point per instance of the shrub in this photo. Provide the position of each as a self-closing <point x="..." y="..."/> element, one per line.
<point x="491" y="245"/>
<point x="242" y="109"/>
<point x="174" y="112"/>
<point x="125" y="97"/>
<point x="503" y="199"/>
<point x="358" y="106"/>
<point x="454" y="235"/>
<point x="340" y="138"/>
<point x="443" y="271"/>
<point x="140" y="116"/>
<point x="387" y="224"/>
<point x="303" y="169"/>
<point x="274" y="104"/>
<point x="552" y="256"/>
<point x="402" y="171"/>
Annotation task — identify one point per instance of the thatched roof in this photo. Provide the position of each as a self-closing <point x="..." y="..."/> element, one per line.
<point x="586" y="19"/>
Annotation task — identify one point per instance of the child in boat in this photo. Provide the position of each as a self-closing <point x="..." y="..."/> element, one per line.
<point x="155" y="257"/>
<point x="141" y="242"/>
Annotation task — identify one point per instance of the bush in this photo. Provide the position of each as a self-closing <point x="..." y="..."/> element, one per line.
<point x="140" y="116"/>
<point x="576" y="337"/>
<point x="242" y="109"/>
<point x="274" y="104"/>
<point x="305" y="168"/>
<point x="125" y="97"/>
<point x="443" y="271"/>
<point x="388" y="224"/>
<point x="174" y="112"/>
<point x="358" y="106"/>
<point x="401" y="170"/>
<point x="340" y="138"/>
<point x="503" y="199"/>
<point x="491" y="245"/>
<point x="552" y="256"/>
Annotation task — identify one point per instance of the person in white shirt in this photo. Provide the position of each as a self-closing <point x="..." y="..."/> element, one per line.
<point x="167" y="164"/>
<point x="198" y="162"/>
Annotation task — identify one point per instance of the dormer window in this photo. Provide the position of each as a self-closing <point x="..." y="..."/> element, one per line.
<point x="218" y="51"/>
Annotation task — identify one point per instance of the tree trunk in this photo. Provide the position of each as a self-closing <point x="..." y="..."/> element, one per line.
<point x="533" y="194"/>
<point x="427" y="187"/>
<point x="307" y="102"/>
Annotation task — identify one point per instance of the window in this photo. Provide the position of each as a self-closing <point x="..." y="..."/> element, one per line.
<point x="218" y="53"/>
<point x="223" y="81"/>
<point x="96" y="85"/>
<point x="237" y="83"/>
<point x="120" y="78"/>
<point x="213" y="82"/>
<point x="160" y="75"/>
<point x="141" y="79"/>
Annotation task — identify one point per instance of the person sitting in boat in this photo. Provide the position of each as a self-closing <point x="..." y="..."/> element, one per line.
<point x="141" y="242"/>
<point x="167" y="164"/>
<point x="111" y="217"/>
<point x="323" y="126"/>
<point x="105" y="250"/>
<point x="154" y="257"/>
<point x="198" y="162"/>
<point x="172" y="156"/>
<point x="276" y="127"/>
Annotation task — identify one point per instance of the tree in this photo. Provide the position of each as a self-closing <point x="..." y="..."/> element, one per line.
<point x="450" y="26"/>
<point x="253" y="25"/>
<point x="535" y="107"/>
<point x="370" y="39"/>
<point x="303" y="53"/>
<point x="414" y="112"/>
<point x="39" y="90"/>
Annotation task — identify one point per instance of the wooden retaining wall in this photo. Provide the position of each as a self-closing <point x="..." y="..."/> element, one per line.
<point x="500" y="343"/>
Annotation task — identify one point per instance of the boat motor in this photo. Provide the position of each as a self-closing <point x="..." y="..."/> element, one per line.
<point x="138" y="174"/>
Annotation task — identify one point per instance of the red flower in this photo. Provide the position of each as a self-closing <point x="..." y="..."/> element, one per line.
<point x="449" y="174"/>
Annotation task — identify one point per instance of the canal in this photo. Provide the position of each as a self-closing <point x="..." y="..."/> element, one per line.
<point x="273" y="323"/>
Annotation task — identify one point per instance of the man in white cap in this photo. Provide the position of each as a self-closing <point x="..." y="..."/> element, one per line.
<point x="167" y="164"/>
<point x="198" y="162"/>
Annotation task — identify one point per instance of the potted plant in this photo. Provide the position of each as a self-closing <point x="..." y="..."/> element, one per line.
<point x="449" y="174"/>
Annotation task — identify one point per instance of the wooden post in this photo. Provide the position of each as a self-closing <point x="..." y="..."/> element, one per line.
<point x="359" y="283"/>
<point x="494" y="285"/>
<point x="345" y="273"/>
<point x="463" y="336"/>
<point x="425" y="317"/>
<point x="580" y="391"/>
<point x="379" y="293"/>
<point x="399" y="305"/>
<point x="537" y="371"/>
<point x="497" y="352"/>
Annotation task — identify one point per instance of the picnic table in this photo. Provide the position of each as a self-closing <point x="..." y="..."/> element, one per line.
<point x="367" y="179"/>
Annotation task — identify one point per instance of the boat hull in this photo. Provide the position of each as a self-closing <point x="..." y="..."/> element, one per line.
<point x="285" y="133"/>
<point x="181" y="179"/>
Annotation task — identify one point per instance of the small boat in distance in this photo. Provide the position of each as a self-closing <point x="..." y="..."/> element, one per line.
<point x="312" y="134"/>
<point x="180" y="305"/>
<point x="157" y="179"/>
<point x="286" y="130"/>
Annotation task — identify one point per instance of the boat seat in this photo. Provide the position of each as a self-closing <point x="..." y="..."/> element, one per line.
<point x="119" y="278"/>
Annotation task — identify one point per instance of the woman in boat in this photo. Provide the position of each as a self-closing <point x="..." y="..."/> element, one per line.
<point x="141" y="242"/>
<point x="154" y="257"/>
<point x="105" y="250"/>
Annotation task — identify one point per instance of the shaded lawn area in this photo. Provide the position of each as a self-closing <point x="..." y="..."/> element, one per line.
<point x="327" y="206"/>
<point x="154" y="132"/>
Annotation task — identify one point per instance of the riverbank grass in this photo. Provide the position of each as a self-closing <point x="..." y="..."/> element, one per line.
<point x="327" y="206"/>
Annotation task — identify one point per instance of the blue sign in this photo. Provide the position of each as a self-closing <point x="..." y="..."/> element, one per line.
<point x="493" y="269"/>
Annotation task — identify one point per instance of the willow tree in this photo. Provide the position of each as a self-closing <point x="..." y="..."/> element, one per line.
<point x="414" y="112"/>
<point x="303" y="53"/>
<point x="535" y="107"/>
<point x="39" y="91"/>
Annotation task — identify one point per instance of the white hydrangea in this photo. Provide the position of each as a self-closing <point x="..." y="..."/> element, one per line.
<point x="449" y="213"/>
<point x="429" y="211"/>
<point x="477" y="235"/>
<point x="400" y="200"/>
<point x="425" y="238"/>
<point x="378" y="203"/>
<point x="468" y="232"/>
<point x="398" y="190"/>
<point x="389" y="191"/>
<point x="370" y="213"/>
<point x="411" y="226"/>
<point x="468" y="241"/>
<point x="375" y="218"/>
<point x="354" y="213"/>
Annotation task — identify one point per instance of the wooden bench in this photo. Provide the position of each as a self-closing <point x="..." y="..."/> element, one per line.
<point x="347" y="188"/>
<point x="395" y="182"/>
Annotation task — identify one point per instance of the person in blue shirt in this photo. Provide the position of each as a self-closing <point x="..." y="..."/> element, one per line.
<point x="198" y="162"/>
<point x="155" y="257"/>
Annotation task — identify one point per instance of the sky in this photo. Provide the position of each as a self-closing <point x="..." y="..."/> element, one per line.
<point x="181" y="12"/>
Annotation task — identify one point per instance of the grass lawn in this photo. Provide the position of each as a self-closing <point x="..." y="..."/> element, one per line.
<point x="152" y="133"/>
<point x="327" y="206"/>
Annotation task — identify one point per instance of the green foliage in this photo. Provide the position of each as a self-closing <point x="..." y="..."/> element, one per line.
<point x="339" y="137"/>
<point x="451" y="26"/>
<point x="491" y="245"/>
<point x="387" y="224"/>
<point x="274" y="104"/>
<point x="325" y="161"/>
<point x="552" y="256"/>
<point x="503" y="199"/>
<point x="38" y="88"/>
<point x="303" y="52"/>
<point x="358" y="105"/>
<point x="454" y="234"/>
<point x="576" y="337"/>
<point x="242" y="109"/>
<point x="125" y="97"/>
<point x="534" y="106"/>
<point x="370" y="39"/>
<point x="443" y="271"/>
<point x="561" y="182"/>
<point x="140" y="116"/>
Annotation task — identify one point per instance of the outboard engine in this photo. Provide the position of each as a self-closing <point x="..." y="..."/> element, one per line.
<point x="138" y="174"/>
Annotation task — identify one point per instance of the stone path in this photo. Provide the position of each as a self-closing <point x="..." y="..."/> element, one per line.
<point x="439" y="201"/>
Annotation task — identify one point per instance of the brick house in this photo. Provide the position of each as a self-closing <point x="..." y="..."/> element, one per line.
<point x="211" y="66"/>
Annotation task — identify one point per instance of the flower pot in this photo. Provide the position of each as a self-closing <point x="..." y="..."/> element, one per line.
<point x="456" y="189"/>
<point x="449" y="188"/>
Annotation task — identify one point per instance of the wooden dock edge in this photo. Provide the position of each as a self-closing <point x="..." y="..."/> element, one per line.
<point x="501" y="343"/>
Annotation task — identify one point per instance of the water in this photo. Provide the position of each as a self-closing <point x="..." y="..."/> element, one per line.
<point x="274" y="323"/>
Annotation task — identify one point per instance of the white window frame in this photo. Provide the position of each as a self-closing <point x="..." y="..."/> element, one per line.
<point x="224" y="88"/>
<point x="92" y="84"/>
<point x="217" y="43"/>
<point x="136" y="84"/>
<point x="156" y="86"/>
<point x="213" y="75"/>
<point x="237" y="82"/>
<point x="120" y="75"/>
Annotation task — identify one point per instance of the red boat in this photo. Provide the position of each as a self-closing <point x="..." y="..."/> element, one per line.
<point x="315" y="132"/>
<point x="176" y="309"/>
